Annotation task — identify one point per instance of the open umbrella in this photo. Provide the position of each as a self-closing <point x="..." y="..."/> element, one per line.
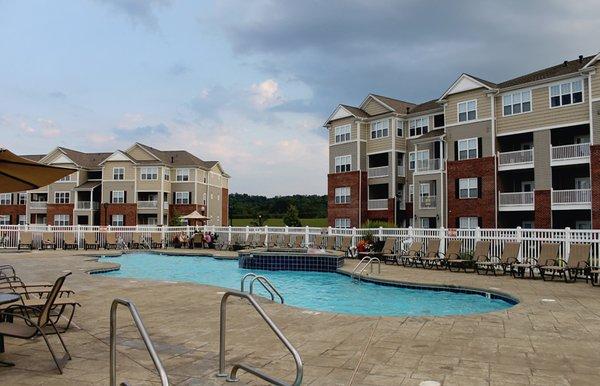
<point x="18" y="174"/>
<point x="195" y="216"/>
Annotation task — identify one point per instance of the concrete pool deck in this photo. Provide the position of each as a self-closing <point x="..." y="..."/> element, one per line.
<point x="535" y="342"/>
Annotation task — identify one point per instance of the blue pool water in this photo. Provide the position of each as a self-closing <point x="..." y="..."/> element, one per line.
<point x="317" y="291"/>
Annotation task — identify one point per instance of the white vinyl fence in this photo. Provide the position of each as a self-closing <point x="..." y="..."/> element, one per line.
<point x="530" y="239"/>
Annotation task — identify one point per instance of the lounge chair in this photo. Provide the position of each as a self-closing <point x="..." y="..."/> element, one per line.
<point x="272" y="240"/>
<point x="298" y="241"/>
<point x="111" y="240"/>
<point x="48" y="240"/>
<point x="548" y="252"/>
<point x="407" y="257"/>
<point x="284" y="242"/>
<point x="452" y="252"/>
<point x="481" y="253"/>
<point x="330" y="246"/>
<point x="431" y="257"/>
<point x="509" y="256"/>
<point x="136" y="240"/>
<point x="578" y="263"/>
<point x="387" y="250"/>
<point x="156" y="240"/>
<point x="259" y="240"/>
<point x="25" y="240"/>
<point x="36" y="326"/>
<point x="89" y="241"/>
<point x="69" y="241"/>
<point x="197" y="240"/>
<point x="345" y="245"/>
<point x="318" y="242"/>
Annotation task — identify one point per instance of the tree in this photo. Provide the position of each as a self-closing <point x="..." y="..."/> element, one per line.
<point x="176" y="219"/>
<point x="291" y="218"/>
<point x="258" y="220"/>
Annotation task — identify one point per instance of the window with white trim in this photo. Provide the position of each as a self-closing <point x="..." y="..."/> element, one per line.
<point x="380" y="129"/>
<point x="467" y="111"/>
<point x="468" y="222"/>
<point x="343" y="163"/>
<point x="22" y="219"/>
<point x="342" y="195"/>
<point x="62" y="197"/>
<point x="118" y="173"/>
<point x="149" y="173"/>
<point x="166" y="174"/>
<point x="204" y="199"/>
<point x="182" y="197"/>
<point x="411" y="192"/>
<point x="468" y="148"/>
<point x="399" y="128"/>
<point x="342" y="223"/>
<point x="516" y="103"/>
<point x="61" y="219"/>
<point x="418" y="126"/>
<point x="22" y="198"/>
<point x="342" y="133"/>
<point x="6" y="199"/>
<point x="567" y="93"/>
<point x="182" y="175"/>
<point x="4" y="219"/>
<point x="468" y="188"/>
<point x="411" y="160"/>
<point x="117" y="220"/>
<point x="118" y="196"/>
<point x="65" y="179"/>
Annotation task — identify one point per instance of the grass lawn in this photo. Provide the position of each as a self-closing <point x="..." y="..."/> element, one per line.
<point x="278" y="222"/>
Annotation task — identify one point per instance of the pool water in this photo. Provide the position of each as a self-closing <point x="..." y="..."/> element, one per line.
<point x="318" y="291"/>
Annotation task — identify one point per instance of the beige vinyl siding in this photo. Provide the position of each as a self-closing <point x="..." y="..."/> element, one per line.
<point x="372" y="107"/>
<point x="342" y="122"/>
<point x="107" y="170"/>
<point x="343" y="149"/>
<point x="483" y="105"/>
<point x="470" y="130"/>
<point x="541" y="156"/>
<point x="364" y="130"/>
<point x="596" y="122"/>
<point x="138" y="153"/>
<point x="596" y="85"/>
<point x="127" y="186"/>
<point x="542" y="115"/>
<point x="378" y="145"/>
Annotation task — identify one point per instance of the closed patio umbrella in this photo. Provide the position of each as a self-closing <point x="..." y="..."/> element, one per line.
<point x="18" y="174"/>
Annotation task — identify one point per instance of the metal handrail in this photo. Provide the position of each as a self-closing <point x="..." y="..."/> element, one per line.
<point x="268" y="286"/>
<point x="252" y="370"/>
<point x="369" y="262"/>
<point x="243" y="280"/>
<point x="145" y="337"/>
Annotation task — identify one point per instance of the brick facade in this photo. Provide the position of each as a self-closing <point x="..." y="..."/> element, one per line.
<point x="595" y="181"/>
<point x="13" y="211"/>
<point x="224" y="206"/>
<point x="351" y="210"/>
<point x="54" y="209"/>
<point x="129" y="211"/>
<point x="383" y="215"/>
<point x="543" y="209"/>
<point x="482" y="207"/>
<point x="183" y="209"/>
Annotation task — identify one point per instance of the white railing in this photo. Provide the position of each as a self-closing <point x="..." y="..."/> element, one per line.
<point x="378" y="204"/>
<point x="519" y="157"/>
<point x="428" y="165"/>
<point x="38" y="205"/>
<point x="516" y="199"/>
<point x="165" y="205"/>
<point x="147" y="204"/>
<point x="401" y="171"/>
<point x="380" y="171"/>
<point x="428" y="202"/>
<point x="565" y="152"/>
<point x="87" y="205"/>
<point x="572" y="196"/>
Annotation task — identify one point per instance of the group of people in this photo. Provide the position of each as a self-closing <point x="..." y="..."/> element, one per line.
<point x="204" y="240"/>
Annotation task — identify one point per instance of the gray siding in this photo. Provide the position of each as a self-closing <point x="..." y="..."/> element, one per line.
<point x="343" y="149"/>
<point x="541" y="153"/>
<point x="596" y="121"/>
<point x="470" y="130"/>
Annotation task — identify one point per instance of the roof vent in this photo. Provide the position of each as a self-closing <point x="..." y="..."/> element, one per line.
<point x="407" y="109"/>
<point x="565" y="63"/>
<point x="580" y="58"/>
<point x="171" y="159"/>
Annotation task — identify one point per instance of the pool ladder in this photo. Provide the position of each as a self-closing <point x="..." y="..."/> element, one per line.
<point x="266" y="284"/>
<point x="368" y="263"/>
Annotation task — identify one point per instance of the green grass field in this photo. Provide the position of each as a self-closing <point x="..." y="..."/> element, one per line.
<point x="278" y="222"/>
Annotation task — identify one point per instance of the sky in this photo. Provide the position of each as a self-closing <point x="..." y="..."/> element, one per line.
<point x="251" y="83"/>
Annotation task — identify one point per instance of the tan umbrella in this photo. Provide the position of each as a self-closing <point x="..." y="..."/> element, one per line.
<point x="18" y="174"/>
<point x="195" y="216"/>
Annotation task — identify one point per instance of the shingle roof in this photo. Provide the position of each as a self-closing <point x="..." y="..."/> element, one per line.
<point x="398" y="105"/>
<point x="85" y="160"/>
<point x="549" y="72"/>
<point x="486" y="82"/>
<point x="426" y="106"/>
<point x="356" y="111"/>
<point x="429" y="134"/>
<point x="33" y="157"/>
<point x="178" y="157"/>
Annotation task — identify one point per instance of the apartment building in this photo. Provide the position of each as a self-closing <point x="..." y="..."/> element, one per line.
<point x="141" y="185"/>
<point x="522" y="152"/>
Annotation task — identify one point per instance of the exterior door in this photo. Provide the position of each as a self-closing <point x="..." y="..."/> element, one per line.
<point x="527" y="186"/>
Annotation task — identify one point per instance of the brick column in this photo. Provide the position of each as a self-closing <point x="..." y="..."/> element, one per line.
<point x="595" y="180"/>
<point x="543" y="209"/>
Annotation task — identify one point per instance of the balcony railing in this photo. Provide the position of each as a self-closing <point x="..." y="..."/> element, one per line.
<point x="572" y="196"/>
<point x="570" y="152"/>
<point x="428" y="202"/>
<point x="381" y="204"/>
<point x="380" y="171"/>
<point x="428" y="165"/>
<point x="516" y="199"/>
<point x="38" y="205"/>
<point x="88" y="205"/>
<point x="517" y="158"/>
<point x="147" y="204"/>
<point x="165" y="205"/>
<point x="401" y="171"/>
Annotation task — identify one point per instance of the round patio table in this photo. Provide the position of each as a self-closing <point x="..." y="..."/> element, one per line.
<point x="5" y="299"/>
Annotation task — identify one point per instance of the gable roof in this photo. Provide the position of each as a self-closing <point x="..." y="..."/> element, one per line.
<point x="466" y="82"/>
<point x="393" y="104"/>
<point x="344" y="111"/>
<point x="426" y="106"/>
<point x="177" y="157"/>
<point x="33" y="157"/>
<point x="85" y="160"/>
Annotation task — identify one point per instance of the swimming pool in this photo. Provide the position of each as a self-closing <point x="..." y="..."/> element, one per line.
<point x="318" y="291"/>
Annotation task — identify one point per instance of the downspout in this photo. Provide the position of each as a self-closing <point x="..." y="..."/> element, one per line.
<point x="358" y="162"/>
<point x="393" y="166"/>
<point x="493" y="103"/>
<point x="591" y="141"/>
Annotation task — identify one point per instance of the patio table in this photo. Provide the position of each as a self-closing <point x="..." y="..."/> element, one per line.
<point x="6" y="298"/>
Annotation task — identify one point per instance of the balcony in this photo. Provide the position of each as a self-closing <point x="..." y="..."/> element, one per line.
<point x="516" y="201"/>
<point x="165" y="205"/>
<point x="381" y="204"/>
<point x="570" y="154"/>
<point x="380" y="171"/>
<point x="38" y="205"/>
<point x="428" y="202"/>
<point x="147" y="204"/>
<point x="428" y="165"/>
<point x="511" y="160"/>
<point x="87" y="205"/>
<point x="571" y="199"/>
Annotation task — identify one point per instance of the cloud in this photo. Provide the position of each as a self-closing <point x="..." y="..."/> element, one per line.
<point x="137" y="134"/>
<point x="139" y="11"/>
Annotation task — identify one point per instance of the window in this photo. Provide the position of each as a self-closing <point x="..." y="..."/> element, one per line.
<point x="183" y="174"/>
<point x="166" y="174"/>
<point x="342" y="195"/>
<point x="149" y="173"/>
<point x="118" y="173"/>
<point x="117" y="220"/>
<point x="438" y="120"/>
<point x="424" y="189"/>
<point x="566" y="93"/>
<point x="342" y="163"/>
<point x="61" y="219"/>
<point x="425" y="222"/>
<point x="65" y="179"/>
<point x="342" y="223"/>
<point x="411" y="192"/>
<point x="182" y="197"/>
<point x="423" y="159"/>
<point x="204" y="199"/>
<point x="411" y="160"/>
<point x="342" y="133"/>
<point x="399" y="128"/>
<point x="468" y="222"/>
<point x="118" y="197"/>
<point x="418" y="126"/>
<point x="468" y="188"/>
<point x="62" y="197"/>
<point x="468" y="148"/>
<point x="467" y="111"/>
<point x="516" y="103"/>
<point x="22" y="219"/>
<point x="22" y="198"/>
<point x="380" y="129"/>
<point x="5" y="199"/>
<point x="4" y="219"/>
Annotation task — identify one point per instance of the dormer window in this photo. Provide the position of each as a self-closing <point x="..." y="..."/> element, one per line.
<point x="467" y="111"/>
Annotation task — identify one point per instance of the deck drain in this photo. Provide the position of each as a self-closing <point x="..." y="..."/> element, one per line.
<point x="549" y="300"/>
<point x="430" y="383"/>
